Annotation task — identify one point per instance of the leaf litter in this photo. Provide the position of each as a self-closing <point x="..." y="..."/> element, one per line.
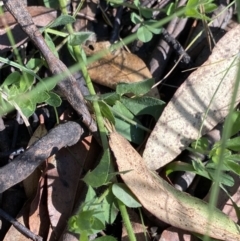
<point x="120" y="64"/>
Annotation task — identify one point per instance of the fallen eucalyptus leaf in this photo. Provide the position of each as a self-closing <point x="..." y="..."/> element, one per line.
<point x="164" y="201"/>
<point x="182" y="118"/>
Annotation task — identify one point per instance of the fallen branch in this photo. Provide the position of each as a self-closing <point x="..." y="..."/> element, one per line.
<point x="63" y="135"/>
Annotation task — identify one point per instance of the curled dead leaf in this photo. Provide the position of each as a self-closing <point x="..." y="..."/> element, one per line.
<point x="116" y="67"/>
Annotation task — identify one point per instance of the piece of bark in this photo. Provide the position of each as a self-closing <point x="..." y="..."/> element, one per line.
<point x="63" y="135"/>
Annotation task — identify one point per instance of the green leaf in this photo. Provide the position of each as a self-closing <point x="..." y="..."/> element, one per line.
<point x="45" y="85"/>
<point x="85" y="221"/>
<point x="106" y="238"/>
<point x="12" y="78"/>
<point x="208" y="8"/>
<point x="106" y="112"/>
<point x="233" y="144"/>
<point x="27" y="107"/>
<point x="123" y="193"/>
<point x="99" y="175"/>
<point x="78" y="38"/>
<point x="179" y="166"/>
<point x="146" y="12"/>
<point x="40" y="97"/>
<point x="224" y="179"/>
<point x="144" y="105"/>
<point x="193" y="13"/>
<point x="51" y="4"/>
<point x="110" y="98"/>
<point x="129" y="131"/>
<point x="99" y="220"/>
<point x="90" y="196"/>
<point x="215" y="154"/>
<point x="118" y="2"/>
<point x="235" y="118"/>
<point x="137" y="88"/>
<point x="201" y="170"/>
<point x="62" y="20"/>
<point x="50" y="44"/>
<point x="144" y="34"/>
<point x="13" y="91"/>
<point x="192" y="4"/>
<point x="150" y="26"/>
<point x="109" y="208"/>
<point x="26" y="81"/>
<point x="136" y="3"/>
<point x="201" y="145"/>
<point x="136" y="18"/>
<point x="233" y="166"/>
<point x="54" y="99"/>
<point x="170" y="9"/>
<point x="34" y="63"/>
<point x="71" y="51"/>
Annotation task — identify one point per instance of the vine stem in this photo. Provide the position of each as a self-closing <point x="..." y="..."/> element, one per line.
<point x="78" y="55"/>
<point x="126" y="220"/>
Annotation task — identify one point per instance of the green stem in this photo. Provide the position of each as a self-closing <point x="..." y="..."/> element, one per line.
<point x="56" y="114"/>
<point x="78" y="55"/>
<point x="105" y="193"/>
<point x="126" y="220"/>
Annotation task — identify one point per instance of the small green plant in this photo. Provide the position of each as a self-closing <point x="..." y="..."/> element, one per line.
<point x="17" y="84"/>
<point x="122" y="111"/>
<point x="197" y="9"/>
<point x="231" y="158"/>
<point x="96" y="212"/>
<point x="146" y="29"/>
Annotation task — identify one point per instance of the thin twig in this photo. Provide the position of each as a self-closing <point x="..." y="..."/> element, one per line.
<point x="22" y="229"/>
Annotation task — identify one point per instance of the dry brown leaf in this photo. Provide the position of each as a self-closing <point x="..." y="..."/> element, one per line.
<point x="164" y="201"/>
<point x="88" y="9"/>
<point x="182" y="118"/>
<point x="62" y="182"/>
<point x="39" y="222"/>
<point x="116" y="67"/>
<point x="42" y="16"/>
<point x="223" y="203"/>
